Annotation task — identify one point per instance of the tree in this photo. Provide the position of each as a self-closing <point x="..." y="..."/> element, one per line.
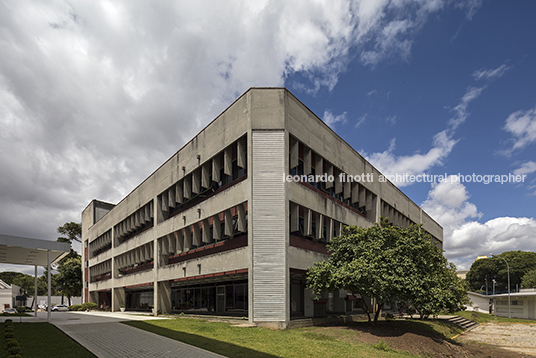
<point x="520" y="263"/>
<point x="10" y="276"/>
<point x="391" y="265"/>
<point x="529" y="280"/>
<point x="70" y="278"/>
<point x="71" y="231"/>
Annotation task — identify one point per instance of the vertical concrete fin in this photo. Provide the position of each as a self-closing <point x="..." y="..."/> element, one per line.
<point x="228" y="161"/>
<point x="307" y="158"/>
<point x="241" y="152"/>
<point x="216" y="167"/>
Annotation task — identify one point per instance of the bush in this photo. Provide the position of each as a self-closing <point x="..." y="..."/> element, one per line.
<point x="8" y="321"/>
<point x="74" y="307"/>
<point x="15" y="356"/>
<point x="88" y="306"/>
<point x="9" y="335"/>
<point x="20" y="309"/>
<point x="9" y="328"/>
<point x="15" y="350"/>
<point x="12" y="343"/>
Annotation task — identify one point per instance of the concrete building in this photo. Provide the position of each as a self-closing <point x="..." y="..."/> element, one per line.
<point x="219" y="228"/>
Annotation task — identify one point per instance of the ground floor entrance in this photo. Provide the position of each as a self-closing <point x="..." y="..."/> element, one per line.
<point x="228" y="297"/>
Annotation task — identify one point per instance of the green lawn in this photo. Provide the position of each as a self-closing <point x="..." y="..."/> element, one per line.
<point x="488" y="318"/>
<point x="223" y="338"/>
<point x="42" y="340"/>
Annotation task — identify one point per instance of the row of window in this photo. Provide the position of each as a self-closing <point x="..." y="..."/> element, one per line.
<point x="314" y="170"/>
<point x="312" y="225"/>
<point x="219" y="227"/>
<point x="214" y="174"/>
<point x="141" y="220"/>
<point x="224" y="297"/>
<point x="394" y="216"/>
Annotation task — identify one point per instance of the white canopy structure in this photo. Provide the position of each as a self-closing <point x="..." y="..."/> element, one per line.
<point x="25" y="251"/>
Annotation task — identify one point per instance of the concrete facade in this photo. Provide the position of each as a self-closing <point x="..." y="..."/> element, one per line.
<point x="220" y="229"/>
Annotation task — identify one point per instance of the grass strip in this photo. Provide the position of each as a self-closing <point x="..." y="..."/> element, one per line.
<point x="43" y="340"/>
<point x="239" y="342"/>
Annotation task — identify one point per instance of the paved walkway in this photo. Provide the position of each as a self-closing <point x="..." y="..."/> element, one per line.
<point x="103" y="335"/>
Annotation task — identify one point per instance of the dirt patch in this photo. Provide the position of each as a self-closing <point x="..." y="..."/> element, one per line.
<point x="514" y="337"/>
<point x="415" y="338"/>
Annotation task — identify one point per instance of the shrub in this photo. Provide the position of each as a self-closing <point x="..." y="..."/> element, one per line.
<point x="9" y="328"/>
<point x="9" y="335"/>
<point x="15" y="356"/>
<point x="74" y="307"/>
<point x="12" y="343"/>
<point x="88" y="306"/>
<point x="15" y="350"/>
<point x="20" y="309"/>
<point x="8" y="321"/>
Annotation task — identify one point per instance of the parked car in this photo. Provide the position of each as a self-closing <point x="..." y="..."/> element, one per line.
<point x="9" y="310"/>
<point x="60" y="308"/>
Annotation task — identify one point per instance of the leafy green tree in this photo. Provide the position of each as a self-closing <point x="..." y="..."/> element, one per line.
<point x="9" y="276"/>
<point x="520" y="263"/>
<point x="529" y="280"/>
<point x="70" y="232"/>
<point x="391" y="265"/>
<point x="70" y="278"/>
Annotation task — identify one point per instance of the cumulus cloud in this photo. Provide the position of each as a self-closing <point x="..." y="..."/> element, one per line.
<point x="390" y="164"/>
<point x="95" y="95"/>
<point x="464" y="237"/>
<point x="522" y="126"/>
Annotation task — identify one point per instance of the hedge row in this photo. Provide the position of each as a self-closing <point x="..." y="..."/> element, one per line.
<point x="12" y="345"/>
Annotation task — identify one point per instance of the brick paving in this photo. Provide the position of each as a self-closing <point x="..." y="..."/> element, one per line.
<point x="102" y="334"/>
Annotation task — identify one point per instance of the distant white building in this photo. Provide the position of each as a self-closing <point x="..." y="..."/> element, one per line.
<point x="8" y="294"/>
<point x="522" y="304"/>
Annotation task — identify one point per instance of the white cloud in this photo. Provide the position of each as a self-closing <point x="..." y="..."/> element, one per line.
<point x="465" y="239"/>
<point x="522" y="125"/>
<point x="390" y="164"/>
<point x="526" y="168"/>
<point x="490" y="73"/>
<point x="330" y="119"/>
<point x="95" y="95"/>
<point x="443" y="143"/>
<point x="361" y="120"/>
<point x="461" y="109"/>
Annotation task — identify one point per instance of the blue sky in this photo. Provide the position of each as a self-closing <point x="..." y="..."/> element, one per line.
<point x="94" y="96"/>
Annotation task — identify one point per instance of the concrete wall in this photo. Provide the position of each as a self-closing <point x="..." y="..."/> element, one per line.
<point x="268" y="117"/>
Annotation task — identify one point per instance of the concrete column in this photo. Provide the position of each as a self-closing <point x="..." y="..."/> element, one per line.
<point x="35" y="290"/>
<point x="118" y="298"/>
<point x="49" y="309"/>
<point x="164" y="297"/>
